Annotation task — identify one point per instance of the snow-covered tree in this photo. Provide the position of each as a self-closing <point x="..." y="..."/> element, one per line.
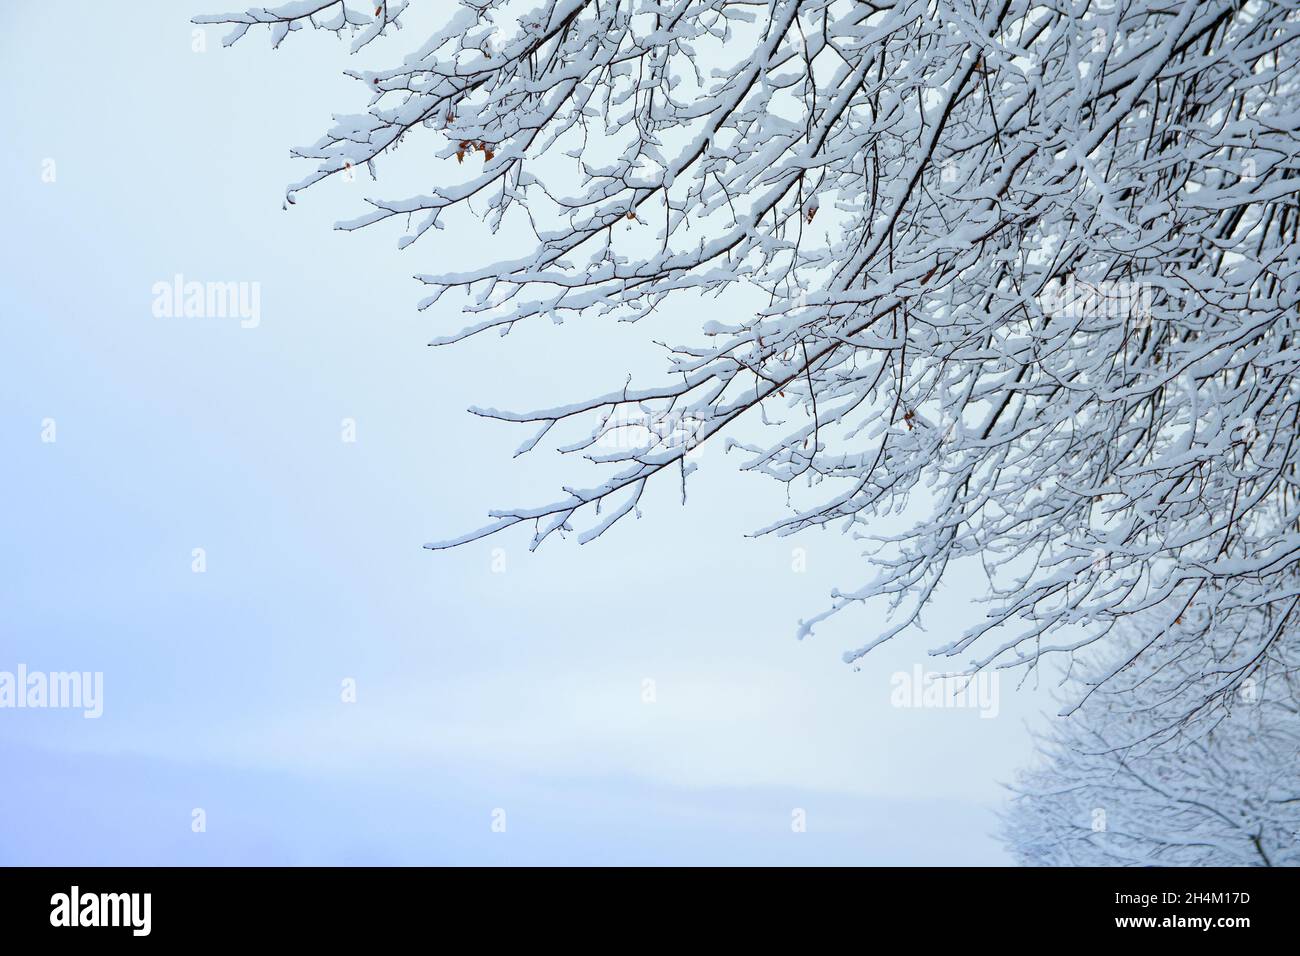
<point x="1111" y="789"/>
<point x="1031" y="266"/>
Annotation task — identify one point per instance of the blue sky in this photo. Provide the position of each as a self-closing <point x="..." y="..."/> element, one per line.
<point x="476" y="691"/>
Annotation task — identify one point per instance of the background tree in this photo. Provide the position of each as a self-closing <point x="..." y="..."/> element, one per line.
<point x="1029" y="267"/>
<point x="1110" y="790"/>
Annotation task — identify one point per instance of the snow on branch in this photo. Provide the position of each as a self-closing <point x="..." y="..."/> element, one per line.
<point x="1028" y="269"/>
